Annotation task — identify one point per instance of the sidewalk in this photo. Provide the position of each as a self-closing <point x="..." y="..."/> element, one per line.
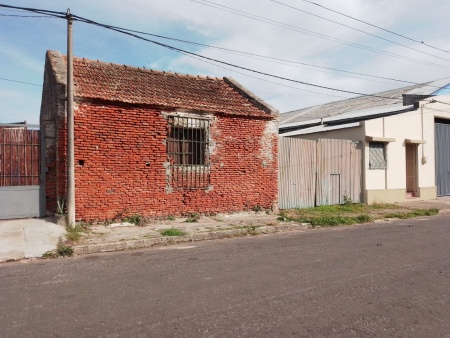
<point x="30" y="238"/>
<point x="125" y="236"/>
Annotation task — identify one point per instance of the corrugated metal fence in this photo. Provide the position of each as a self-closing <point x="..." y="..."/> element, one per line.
<point x="442" y="141"/>
<point x="322" y="172"/>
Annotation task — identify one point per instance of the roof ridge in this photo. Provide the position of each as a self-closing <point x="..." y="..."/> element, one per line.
<point x="142" y="68"/>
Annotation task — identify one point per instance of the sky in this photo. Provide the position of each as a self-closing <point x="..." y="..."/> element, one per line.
<point x="288" y="42"/>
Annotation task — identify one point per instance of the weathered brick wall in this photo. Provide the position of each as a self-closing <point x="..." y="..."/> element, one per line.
<point x="114" y="143"/>
<point x="52" y="121"/>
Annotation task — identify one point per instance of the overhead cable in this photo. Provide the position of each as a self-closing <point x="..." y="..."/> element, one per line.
<point x="383" y="29"/>
<point x="312" y="33"/>
<point x="78" y="18"/>
<point x="359" y="30"/>
<point x="28" y="83"/>
<point x="266" y="57"/>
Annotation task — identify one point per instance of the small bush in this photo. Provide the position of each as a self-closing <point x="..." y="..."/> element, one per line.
<point x="136" y="219"/>
<point x="64" y="250"/>
<point x="193" y="218"/>
<point x="257" y="208"/>
<point x="171" y="217"/>
<point x="61" y="250"/>
<point x="73" y="234"/>
<point x="347" y="200"/>
<point x="172" y="232"/>
<point x="364" y="218"/>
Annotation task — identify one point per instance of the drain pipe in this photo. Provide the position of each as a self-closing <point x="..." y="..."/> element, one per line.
<point x="424" y="159"/>
<point x="385" y="154"/>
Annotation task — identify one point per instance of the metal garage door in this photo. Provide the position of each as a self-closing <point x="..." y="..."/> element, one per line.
<point x="442" y="142"/>
<point x="20" y="188"/>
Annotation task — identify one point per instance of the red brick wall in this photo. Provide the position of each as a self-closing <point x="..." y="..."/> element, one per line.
<point x="115" y="143"/>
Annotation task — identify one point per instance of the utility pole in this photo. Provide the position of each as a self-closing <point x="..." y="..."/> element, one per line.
<point x="70" y="127"/>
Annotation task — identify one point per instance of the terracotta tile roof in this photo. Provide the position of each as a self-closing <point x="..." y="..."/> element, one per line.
<point x="113" y="82"/>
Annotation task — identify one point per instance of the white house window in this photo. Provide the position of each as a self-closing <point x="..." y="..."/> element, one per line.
<point x="188" y="152"/>
<point x="377" y="155"/>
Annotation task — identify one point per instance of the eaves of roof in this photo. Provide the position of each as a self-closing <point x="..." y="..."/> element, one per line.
<point x="351" y="117"/>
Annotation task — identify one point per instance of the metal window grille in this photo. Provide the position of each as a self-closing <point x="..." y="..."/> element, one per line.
<point x="377" y="155"/>
<point x="19" y="156"/>
<point x="187" y="150"/>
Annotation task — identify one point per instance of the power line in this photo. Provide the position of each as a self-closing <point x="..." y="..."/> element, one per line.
<point x="28" y="16"/>
<point x="36" y="10"/>
<point x="85" y="20"/>
<point x="383" y="29"/>
<point x="78" y="18"/>
<point x="63" y="15"/>
<point x="268" y="57"/>
<point x="265" y="80"/>
<point x="240" y="52"/>
<point x="358" y="30"/>
<point x="28" y="83"/>
<point x="312" y="33"/>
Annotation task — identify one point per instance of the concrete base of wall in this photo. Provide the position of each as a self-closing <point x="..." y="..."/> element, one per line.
<point x="385" y="196"/>
<point x="397" y="195"/>
<point x="20" y="202"/>
<point x="428" y="193"/>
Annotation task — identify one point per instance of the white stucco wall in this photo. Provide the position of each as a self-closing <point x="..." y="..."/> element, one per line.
<point x="404" y="126"/>
<point x="411" y="125"/>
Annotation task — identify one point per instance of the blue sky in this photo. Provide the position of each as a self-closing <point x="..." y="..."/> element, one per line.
<point x="23" y="42"/>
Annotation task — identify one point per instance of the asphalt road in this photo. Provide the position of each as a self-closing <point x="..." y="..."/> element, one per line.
<point x="377" y="280"/>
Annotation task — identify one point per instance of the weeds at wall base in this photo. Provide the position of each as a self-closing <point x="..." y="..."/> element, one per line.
<point x="62" y="250"/>
<point x="172" y="232"/>
<point x="348" y="214"/>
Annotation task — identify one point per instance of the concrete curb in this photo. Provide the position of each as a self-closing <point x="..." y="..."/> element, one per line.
<point x="159" y="241"/>
<point x="196" y="237"/>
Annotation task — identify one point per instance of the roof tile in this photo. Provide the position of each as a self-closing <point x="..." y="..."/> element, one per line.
<point x="122" y="83"/>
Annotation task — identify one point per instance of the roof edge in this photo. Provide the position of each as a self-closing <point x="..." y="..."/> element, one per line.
<point x="252" y="97"/>
<point x="58" y="65"/>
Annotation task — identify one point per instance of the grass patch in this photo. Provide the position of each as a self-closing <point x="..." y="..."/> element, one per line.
<point x="172" y="232"/>
<point x="413" y="213"/>
<point x="347" y="214"/>
<point x="73" y="234"/>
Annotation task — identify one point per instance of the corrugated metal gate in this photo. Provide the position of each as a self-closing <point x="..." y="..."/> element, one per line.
<point x="20" y="189"/>
<point x="322" y="172"/>
<point x="442" y="142"/>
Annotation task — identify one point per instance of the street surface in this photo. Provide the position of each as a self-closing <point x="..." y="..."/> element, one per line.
<point x="376" y="280"/>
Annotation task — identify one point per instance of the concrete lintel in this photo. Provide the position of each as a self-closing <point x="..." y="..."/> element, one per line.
<point x="411" y="141"/>
<point x="379" y="139"/>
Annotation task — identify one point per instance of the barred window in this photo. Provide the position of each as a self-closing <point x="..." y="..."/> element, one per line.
<point x="377" y="155"/>
<point x="188" y="152"/>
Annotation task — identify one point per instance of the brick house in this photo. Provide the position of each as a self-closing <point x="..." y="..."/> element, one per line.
<point x="157" y="143"/>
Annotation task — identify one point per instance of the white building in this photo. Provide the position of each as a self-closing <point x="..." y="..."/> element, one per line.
<point x="405" y="134"/>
